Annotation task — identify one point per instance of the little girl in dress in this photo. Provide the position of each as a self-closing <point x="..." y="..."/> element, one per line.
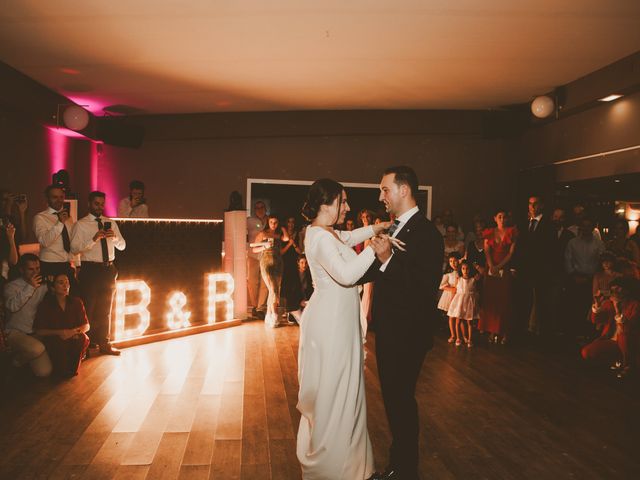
<point x="464" y="305"/>
<point x="448" y="287"/>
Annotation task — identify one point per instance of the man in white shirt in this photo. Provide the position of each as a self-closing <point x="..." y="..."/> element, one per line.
<point x="95" y="239"/>
<point x="135" y="205"/>
<point x="21" y="299"/>
<point x="582" y="260"/>
<point x="52" y="228"/>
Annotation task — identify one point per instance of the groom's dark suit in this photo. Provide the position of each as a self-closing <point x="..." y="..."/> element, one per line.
<point x="405" y="315"/>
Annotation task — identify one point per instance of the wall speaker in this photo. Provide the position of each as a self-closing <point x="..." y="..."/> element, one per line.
<point x="118" y="132"/>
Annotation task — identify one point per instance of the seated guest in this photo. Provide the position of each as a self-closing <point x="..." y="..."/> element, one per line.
<point x="303" y="289"/>
<point x="135" y="205"/>
<point x="21" y="299"/>
<point x="620" y="320"/>
<point x="61" y="323"/>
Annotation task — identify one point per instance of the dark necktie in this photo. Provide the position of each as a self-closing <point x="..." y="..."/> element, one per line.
<point x="103" y="243"/>
<point x="532" y="225"/>
<point x="66" y="241"/>
<point x="394" y="226"/>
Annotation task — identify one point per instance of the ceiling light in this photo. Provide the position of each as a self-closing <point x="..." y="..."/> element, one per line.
<point x="617" y="180"/>
<point x="610" y="98"/>
<point x="542" y="106"/>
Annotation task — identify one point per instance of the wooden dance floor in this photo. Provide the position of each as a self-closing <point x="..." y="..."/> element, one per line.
<point x="221" y="405"/>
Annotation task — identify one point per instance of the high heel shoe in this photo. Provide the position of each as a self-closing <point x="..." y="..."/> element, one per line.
<point x="451" y="340"/>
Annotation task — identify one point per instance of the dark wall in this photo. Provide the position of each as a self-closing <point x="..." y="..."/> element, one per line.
<point x="193" y="177"/>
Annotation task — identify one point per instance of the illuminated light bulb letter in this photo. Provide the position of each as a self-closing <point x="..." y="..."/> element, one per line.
<point x="140" y="309"/>
<point x="176" y="316"/>
<point x="216" y="297"/>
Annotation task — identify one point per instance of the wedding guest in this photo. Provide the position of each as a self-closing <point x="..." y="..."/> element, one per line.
<point x="274" y="238"/>
<point x="8" y="249"/>
<point x="366" y="218"/>
<point x="475" y="249"/>
<point x="496" y="310"/>
<point x="135" y="205"/>
<point x="95" y="238"/>
<point x="449" y="219"/>
<point x="582" y="259"/>
<point x="256" y="288"/>
<point x="52" y="228"/>
<point x="303" y="289"/>
<point x="464" y="308"/>
<point x="21" y="299"/>
<point x="602" y="278"/>
<point x="451" y="243"/>
<point x="448" y="288"/>
<point x="13" y="210"/>
<point x="620" y="244"/>
<point x="61" y="323"/>
<point x="620" y="338"/>
<point x="290" y="253"/>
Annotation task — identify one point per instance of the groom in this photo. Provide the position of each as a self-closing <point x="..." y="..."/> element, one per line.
<point x="404" y="313"/>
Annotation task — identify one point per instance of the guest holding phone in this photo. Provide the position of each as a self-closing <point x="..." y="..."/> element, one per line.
<point x="95" y="238"/>
<point x="135" y="205"/>
<point x="52" y="228"/>
<point x="61" y="324"/>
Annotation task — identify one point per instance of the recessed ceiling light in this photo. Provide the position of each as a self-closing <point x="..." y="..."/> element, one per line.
<point x="617" y="180"/>
<point x="567" y="186"/>
<point x="610" y="98"/>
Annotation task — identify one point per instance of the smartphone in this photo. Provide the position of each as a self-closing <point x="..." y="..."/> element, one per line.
<point x="107" y="225"/>
<point x="67" y="206"/>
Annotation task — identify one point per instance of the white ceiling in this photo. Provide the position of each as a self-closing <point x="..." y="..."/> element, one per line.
<point x="178" y="56"/>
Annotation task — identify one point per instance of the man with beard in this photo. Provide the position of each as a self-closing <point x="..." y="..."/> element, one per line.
<point x="95" y="238"/>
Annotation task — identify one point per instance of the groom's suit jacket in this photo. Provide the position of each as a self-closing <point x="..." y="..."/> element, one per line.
<point x="404" y="306"/>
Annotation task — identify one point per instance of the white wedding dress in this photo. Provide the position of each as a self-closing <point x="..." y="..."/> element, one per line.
<point x="333" y="442"/>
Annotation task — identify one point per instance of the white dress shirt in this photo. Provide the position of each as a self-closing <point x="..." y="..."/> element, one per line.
<point x="48" y="230"/>
<point x="125" y="210"/>
<point x="22" y="300"/>
<point x="538" y="219"/>
<point x="402" y="219"/>
<point x="91" y="251"/>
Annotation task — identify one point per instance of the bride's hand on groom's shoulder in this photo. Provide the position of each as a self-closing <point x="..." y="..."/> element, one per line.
<point x="381" y="227"/>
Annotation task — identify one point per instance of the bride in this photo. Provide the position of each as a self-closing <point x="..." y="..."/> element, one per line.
<point x="333" y="442"/>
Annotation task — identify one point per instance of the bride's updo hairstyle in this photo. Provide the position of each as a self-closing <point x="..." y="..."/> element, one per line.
<point x="322" y="192"/>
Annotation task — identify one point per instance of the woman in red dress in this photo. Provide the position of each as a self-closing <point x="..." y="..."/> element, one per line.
<point x="61" y="323"/>
<point x="497" y="296"/>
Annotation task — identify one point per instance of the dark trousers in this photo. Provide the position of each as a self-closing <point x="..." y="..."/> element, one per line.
<point x="56" y="268"/>
<point x="98" y="284"/>
<point x="65" y="355"/>
<point x="398" y="369"/>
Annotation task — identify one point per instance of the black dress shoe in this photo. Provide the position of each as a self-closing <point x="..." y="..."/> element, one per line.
<point x="109" y="350"/>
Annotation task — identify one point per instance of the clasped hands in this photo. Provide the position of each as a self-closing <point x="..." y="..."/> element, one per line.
<point x="383" y="245"/>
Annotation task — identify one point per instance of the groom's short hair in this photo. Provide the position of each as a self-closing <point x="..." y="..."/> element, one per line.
<point x="405" y="176"/>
